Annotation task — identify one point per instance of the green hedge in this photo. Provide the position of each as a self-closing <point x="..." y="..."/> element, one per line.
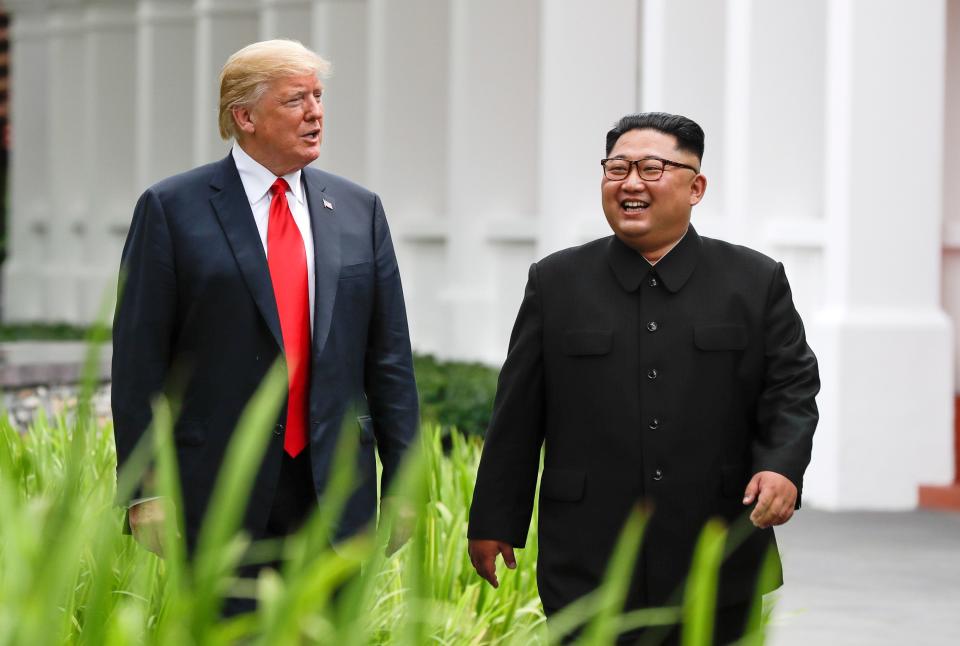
<point x="455" y="394"/>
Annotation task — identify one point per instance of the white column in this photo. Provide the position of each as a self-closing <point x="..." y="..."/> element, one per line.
<point x="110" y="142"/>
<point x="589" y="54"/>
<point x="67" y="176"/>
<point x="28" y="246"/>
<point x="883" y="341"/>
<point x="285" y="19"/>
<point x="685" y="71"/>
<point x="772" y="165"/>
<point x="222" y="27"/>
<point x="165" y="82"/>
<point x="407" y="149"/>
<point x="339" y="32"/>
<point x="951" y="187"/>
<point x="492" y="170"/>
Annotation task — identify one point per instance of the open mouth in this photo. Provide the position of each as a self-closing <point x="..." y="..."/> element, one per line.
<point x="312" y="136"/>
<point x="634" y="206"/>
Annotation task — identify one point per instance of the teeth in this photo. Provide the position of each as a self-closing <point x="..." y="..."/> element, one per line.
<point x="635" y="205"/>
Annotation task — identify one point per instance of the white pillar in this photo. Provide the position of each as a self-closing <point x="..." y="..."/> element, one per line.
<point x="165" y="81"/>
<point x="407" y="150"/>
<point x="285" y="19"/>
<point x="339" y="32"/>
<point x="772" y="167"/>
<point x="492" y="170"/>
<point x="222" y="27"/>
<point x="685" y="71"/>
<point x="68" y="177"/>
<point x="951" y="187"/>
<point x="24" y="297"/>
<point x="589" y="55"/>
<point x="110" y="141"/>
<point x="883" y="341"/>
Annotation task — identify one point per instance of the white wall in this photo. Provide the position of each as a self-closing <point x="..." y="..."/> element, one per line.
<point x="481" y="125"/>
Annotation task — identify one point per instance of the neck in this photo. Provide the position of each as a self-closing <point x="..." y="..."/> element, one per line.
<point x="657" y="254"/>
<point x="261" y="159"/>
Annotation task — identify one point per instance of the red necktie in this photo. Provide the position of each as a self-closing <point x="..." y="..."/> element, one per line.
<point x="288" y="272"/>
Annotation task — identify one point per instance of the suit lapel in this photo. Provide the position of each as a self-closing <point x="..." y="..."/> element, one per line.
<point x="233" y="210"/>
<point x="326" y="248"/>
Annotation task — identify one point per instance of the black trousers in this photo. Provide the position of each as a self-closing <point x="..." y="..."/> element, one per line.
<point x="295" y="499"/>
<point x="730" y="624"/>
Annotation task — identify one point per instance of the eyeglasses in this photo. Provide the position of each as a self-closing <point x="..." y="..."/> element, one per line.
<point x="650" y="169"/>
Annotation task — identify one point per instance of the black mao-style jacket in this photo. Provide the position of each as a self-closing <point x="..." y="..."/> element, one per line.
<point x="666" y="385"/>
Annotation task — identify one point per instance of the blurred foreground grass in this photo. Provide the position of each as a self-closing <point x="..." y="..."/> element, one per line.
<point x="69" y="576"/>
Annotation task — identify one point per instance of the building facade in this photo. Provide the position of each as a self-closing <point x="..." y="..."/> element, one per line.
<point x="833" y="132"/>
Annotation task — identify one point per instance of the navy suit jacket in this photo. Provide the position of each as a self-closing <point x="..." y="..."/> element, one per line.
<point x="197" y="318"/>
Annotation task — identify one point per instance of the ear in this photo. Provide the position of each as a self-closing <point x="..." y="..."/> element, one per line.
<point x="697" y="188"/>
<point x="243" y="117"/>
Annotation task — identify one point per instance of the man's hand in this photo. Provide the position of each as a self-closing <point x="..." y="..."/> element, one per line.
<point x="403" y="519"/>
<point x="483" y="555"/>
<point x="776" y="497"/>
<point x="146" y="524"/>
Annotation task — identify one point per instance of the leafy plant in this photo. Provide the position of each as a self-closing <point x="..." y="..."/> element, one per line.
<point x="68" y="574"/>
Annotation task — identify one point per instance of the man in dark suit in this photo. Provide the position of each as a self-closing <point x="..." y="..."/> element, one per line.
<point x="653" y="365"/>
<point x="229" y="266"/>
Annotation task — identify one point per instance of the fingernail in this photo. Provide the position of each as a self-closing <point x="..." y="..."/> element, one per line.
<point x="746" y="500"/>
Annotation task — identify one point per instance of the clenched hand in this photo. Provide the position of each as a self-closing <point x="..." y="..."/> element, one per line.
<point x="776" y="498"/>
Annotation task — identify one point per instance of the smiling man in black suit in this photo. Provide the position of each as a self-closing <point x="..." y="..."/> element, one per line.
<point x="232" y="264"/>
<point x="653" y="365"/>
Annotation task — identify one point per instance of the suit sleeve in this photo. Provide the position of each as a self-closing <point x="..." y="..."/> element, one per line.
<point x="507" y="477"/>
<point x="389" y="382"/>
<point x="143" y="323"/>
<point x="787" y="411"/>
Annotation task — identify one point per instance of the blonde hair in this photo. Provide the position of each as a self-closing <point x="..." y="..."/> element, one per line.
<point x="248" y="73"/>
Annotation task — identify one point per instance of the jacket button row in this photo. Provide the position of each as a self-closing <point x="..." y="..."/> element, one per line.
<point x="658" y="475"/>
<point x="654" y="424"/>
<point x="652" y="373"/>
<point x="652" y="326"/>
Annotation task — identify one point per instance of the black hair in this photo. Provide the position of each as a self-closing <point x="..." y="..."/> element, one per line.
<point x="688" y="133"/>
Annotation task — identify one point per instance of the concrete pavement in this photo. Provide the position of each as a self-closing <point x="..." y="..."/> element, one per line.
<point x="869" y="578"/>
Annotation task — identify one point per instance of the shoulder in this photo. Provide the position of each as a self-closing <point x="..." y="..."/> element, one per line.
<point x="575" y="258"/>
<point x="186" y="183"/>
<point x="736" y="256"/>
<point x="337" y="185"/>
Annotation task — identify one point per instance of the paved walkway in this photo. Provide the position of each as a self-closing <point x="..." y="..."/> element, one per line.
<point x="870" y="578"/>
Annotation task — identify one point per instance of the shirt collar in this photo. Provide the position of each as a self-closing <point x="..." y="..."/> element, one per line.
<point x="674" y="268"/>
<point x="257" y="180"/>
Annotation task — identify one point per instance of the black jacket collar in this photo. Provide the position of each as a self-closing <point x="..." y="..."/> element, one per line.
<point x="673" y="269"/>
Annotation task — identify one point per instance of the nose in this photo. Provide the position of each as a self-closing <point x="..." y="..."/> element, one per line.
<point x="633" y="179"/>
<point x="313" y="108"/>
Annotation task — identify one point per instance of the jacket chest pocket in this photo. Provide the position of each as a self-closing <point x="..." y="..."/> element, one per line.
<point x="718" y="337"/>
<point x="581" y="343"/>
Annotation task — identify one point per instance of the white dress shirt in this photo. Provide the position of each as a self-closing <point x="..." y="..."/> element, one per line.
<point x="257" y="181"/>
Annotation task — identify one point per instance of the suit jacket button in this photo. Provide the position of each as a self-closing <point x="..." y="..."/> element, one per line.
<point x="652" y="326"/>
<point x="658" y="475"/>
<point x="278" y="430"/>
<point x="653" y="281"/>
<point x="654" y="424"/>
<point x="652" y="373"/>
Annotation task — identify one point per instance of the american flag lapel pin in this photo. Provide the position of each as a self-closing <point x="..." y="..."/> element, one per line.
<point x="328" y="204"/>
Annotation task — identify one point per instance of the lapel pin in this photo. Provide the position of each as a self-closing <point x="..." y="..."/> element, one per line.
<point x="327" y="203"/>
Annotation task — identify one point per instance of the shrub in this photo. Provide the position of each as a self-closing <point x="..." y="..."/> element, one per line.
<point x="456" y="394"/>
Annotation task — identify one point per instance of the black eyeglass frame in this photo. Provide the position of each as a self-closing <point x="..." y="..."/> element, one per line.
<point x="636" y="162"/>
